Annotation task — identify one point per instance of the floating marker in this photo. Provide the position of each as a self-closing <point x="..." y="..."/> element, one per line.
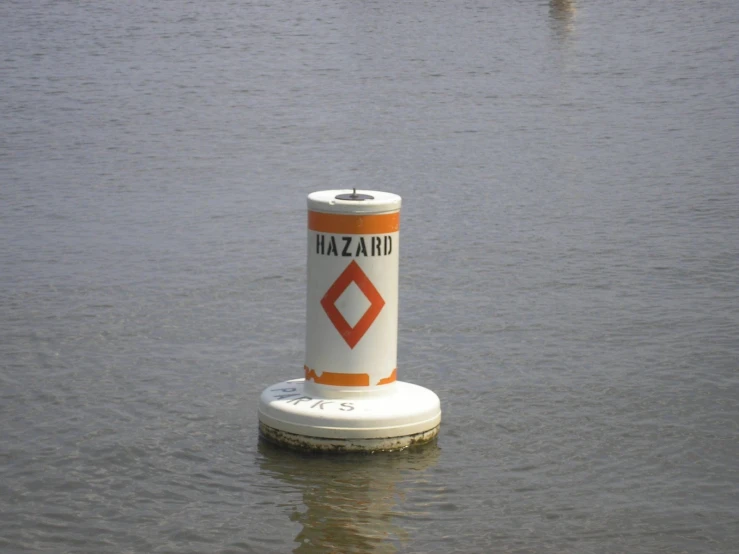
<point x="349" y="398"/>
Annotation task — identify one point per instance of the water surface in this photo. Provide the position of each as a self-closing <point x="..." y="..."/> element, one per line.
<point x="569" y="271"/>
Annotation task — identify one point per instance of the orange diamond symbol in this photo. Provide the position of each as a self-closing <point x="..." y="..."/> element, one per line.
<point x="352" y="274"/>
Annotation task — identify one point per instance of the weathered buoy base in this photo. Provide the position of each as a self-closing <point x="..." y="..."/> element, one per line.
<point x="291" y="414"/>
<point x="318" y="444"/>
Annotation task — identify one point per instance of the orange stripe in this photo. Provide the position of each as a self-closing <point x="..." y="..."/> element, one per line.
<point x="346" y="379"/>
<point x="337" y="379"/>
<point x="344" y="224"/>
<point x="390" y="378"/>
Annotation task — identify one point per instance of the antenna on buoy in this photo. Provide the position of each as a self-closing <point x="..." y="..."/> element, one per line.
<point x="349" y="399"/>
<point x="354" y="196"/>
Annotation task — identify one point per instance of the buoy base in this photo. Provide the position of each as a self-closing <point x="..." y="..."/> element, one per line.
<point x="318" y="444"/>
<point x="398" y="417"/>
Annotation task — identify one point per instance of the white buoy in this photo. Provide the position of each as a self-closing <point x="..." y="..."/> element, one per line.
<point x="350" y="398"/>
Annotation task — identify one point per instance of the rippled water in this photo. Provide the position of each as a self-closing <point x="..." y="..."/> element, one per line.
<point x="569" y="271"/>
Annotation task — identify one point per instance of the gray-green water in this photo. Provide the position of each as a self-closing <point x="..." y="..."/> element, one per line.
<point x="569" y="271"/>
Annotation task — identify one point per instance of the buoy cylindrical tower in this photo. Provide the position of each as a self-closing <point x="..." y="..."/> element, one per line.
<point x="350" y="398"/>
